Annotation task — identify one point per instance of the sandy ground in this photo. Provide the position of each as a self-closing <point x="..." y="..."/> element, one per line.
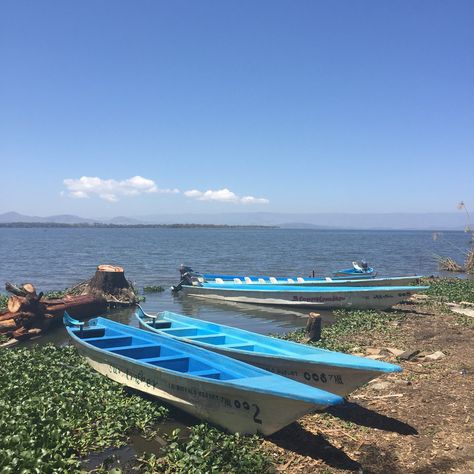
<point x="418" y="421"/>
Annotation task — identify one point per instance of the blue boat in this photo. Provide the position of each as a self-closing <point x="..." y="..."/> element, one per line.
<point x="332" y="371"/>
<point x="223" y="391"/>
<point x="358" y="270"/>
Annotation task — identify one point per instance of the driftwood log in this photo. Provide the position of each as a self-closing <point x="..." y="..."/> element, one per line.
<point x="28" y="314"/>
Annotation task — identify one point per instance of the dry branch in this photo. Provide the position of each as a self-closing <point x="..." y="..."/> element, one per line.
<point x="449" y="265"/>
<point x="469" y="263"/>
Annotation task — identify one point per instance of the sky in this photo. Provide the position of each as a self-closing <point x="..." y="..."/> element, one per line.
<point x="147" y="107"/>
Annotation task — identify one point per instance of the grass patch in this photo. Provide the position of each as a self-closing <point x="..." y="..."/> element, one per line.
<point x="451" y="290"/>
<point x="208" y="450"/>
<point x="340" y="335"/>
<point x="153" y="289"/>
<point x="55" y="408"/>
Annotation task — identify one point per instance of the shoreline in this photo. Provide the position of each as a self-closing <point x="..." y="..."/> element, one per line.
<point x="414" y="421"/>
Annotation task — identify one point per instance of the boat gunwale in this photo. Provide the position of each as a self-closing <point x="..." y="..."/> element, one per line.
<point x="307" y="280"/>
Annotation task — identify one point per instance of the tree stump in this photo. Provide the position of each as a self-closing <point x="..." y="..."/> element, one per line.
<point x="108" y="279"/>
<point x="109" y="282"/>
<point x="313" y="327"/>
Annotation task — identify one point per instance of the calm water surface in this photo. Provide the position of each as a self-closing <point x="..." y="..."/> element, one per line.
<point x="58" y="258"/>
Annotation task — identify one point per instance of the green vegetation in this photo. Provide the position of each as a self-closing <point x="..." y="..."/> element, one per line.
<point x="451" y="290"/>
<point x="55" y="409"/>
<point x="208" y="450"/>
<point x="55" y="294"/>
<point x="337" y="337"/>
<point x="3" y="302"/>
<point x="153" y="289"/>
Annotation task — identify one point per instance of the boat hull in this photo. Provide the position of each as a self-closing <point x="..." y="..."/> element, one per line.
<point x="231" y="394"/>
<point x="242" y="411"/>
<point x="374" y="298"/>
<point x="327" y="370"/>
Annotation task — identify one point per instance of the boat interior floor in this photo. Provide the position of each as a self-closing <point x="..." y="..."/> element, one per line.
<point x="148" y="352"/>
<point x="212" y="338"/>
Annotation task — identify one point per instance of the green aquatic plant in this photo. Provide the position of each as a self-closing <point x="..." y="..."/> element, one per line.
<point x="452" y="290"/>
<point x="208" y="450"/>
<point x="55" y="408"/>
<point x="348" y="322"/>
<point x="153" y="289"/>
<point x="3" y="302"/>
<point x="55" y="294"/>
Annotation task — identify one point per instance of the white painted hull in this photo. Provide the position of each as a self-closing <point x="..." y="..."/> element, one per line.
<point x="382" y="299"/>
<point x="232" y="408"/>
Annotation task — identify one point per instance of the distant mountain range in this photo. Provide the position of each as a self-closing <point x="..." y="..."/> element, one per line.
<point x="396" y="221"/>
<point x="12" y="217"/>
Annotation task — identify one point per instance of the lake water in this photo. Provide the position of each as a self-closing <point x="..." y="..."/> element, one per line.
<point x="58" y="258"/>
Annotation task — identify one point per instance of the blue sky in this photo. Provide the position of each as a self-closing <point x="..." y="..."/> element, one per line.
<point x="236" y="106"/>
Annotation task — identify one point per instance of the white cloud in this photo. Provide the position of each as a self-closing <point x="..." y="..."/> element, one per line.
<point x="110" y="189"/>
<point x="253" y="200"/>
<point x="224" y="195"/>
<point x="193" y="193"/>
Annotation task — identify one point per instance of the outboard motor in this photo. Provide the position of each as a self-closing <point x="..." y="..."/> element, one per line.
<point x="188" y="277"/>
<point x="184" y="269"/>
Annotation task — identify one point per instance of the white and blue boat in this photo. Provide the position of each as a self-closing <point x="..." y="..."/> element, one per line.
<point x="358" y="270"/>
<point x="336" y="297"/>
<point x="309" y="281"/>
<point x="223" y="391"/>
<point x="332" y="371"/>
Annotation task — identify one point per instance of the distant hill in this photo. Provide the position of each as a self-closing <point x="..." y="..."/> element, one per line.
<point x="395" y="221"/>
<point x="407" y="221"/>
<point x="10" y="217"/>
<point x="121" y="220"/>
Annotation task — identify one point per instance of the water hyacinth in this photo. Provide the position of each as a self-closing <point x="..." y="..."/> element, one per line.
<point x="3" y="302"/>
<point x="54" y="409"/>
<point x="452" y="290"/>
<point x="337" y="336"/>
<point x="208" y="450"/>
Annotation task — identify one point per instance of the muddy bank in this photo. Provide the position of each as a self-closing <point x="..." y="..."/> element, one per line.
<point x="417" y="421"/>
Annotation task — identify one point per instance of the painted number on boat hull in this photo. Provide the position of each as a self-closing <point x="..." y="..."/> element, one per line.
<point x="246" y="406"/>
<point x="323" y="378"/>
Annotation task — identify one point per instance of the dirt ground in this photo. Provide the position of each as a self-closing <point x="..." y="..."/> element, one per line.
<point x="417" y="421"/>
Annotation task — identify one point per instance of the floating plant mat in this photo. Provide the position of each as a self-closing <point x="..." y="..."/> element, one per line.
<point x="55" y="409"/>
